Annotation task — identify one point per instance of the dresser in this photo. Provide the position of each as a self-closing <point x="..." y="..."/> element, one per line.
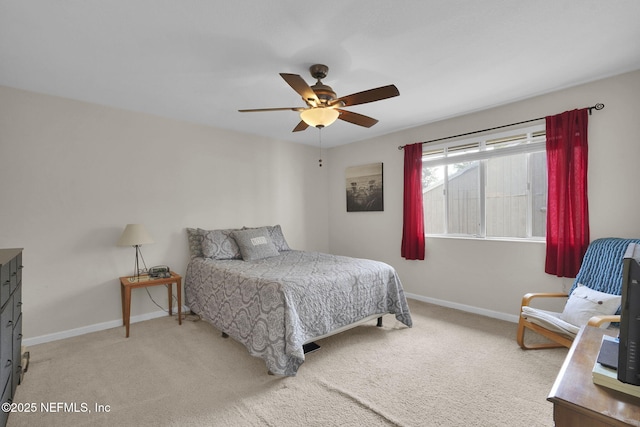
<point x="10" y="325"/>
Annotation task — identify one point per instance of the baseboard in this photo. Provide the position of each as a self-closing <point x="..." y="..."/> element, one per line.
<point x="153" y="315"/>
<point x="94" y="328"/>
<point x="468" y="308"/>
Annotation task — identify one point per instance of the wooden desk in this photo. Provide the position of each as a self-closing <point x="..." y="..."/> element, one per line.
<point x="577" y="401"/>
<point x="127" y="283"/>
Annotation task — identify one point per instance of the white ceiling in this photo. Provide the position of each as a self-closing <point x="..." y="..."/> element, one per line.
<point x="202" y="60"/>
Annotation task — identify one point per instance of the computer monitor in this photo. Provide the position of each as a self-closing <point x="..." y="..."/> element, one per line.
<point x="629" y="347"/>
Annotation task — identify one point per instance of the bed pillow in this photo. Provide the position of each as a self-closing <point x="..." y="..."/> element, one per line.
<point x="218" y="244"/>
<point x="195" y="242"/>
<point x="255" y="243"/>
<point x="277" y="237"/>
<point x="584" y="303"/>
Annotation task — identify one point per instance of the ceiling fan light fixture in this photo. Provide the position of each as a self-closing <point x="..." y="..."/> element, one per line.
<point x="320" y="116"/>
<point x="323" y="106"/>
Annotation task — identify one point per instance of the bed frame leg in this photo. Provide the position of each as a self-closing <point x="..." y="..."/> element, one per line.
<point x="379" y="325"/>
<point x="224" y="335"/>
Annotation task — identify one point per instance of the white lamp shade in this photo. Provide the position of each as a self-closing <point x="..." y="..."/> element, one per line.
<point x="319" y="117"/>
<point x="134" y="235"/>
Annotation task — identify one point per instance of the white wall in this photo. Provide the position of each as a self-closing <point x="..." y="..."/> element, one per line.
<point x="74" y="174"/>
<point x="492" y="276"/>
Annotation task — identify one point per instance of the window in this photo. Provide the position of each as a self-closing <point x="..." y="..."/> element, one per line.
<point x="494" y="186"/>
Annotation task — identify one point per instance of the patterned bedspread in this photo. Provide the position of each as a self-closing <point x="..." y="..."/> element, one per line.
<point x="275" y="305"/>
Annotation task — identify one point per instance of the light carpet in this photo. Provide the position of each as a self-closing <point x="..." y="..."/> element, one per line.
<point x="451" y="369"/>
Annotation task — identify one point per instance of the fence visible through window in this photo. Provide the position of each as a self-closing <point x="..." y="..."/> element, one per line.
<point x="493" y="186"/>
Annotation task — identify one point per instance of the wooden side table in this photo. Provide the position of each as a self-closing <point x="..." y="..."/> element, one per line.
<point x="577" y="401"/>
<point x="127" y="283"/>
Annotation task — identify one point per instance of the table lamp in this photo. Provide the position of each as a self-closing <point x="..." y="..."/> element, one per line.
<point x="136" y="235"/>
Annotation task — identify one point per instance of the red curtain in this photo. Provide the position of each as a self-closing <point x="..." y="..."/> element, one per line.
<point x="567" y="207"/>
<point x="413" y="216"/>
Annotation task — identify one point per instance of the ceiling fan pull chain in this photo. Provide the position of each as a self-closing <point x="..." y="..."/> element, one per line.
<point x="320" y="145"/>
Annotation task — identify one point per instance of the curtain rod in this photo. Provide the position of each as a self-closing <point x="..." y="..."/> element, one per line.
<point x="598" y="106"/>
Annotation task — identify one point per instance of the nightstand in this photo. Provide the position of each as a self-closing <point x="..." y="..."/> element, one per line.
<point x="127" y="283"/>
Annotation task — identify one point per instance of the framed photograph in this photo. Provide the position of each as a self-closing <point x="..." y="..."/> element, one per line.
<point x="364" y="188"/>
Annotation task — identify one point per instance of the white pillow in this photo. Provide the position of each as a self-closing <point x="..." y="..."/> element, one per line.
<point x="584" y="303"/>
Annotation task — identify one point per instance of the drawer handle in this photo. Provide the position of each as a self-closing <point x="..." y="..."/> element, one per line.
<point x="6" y="283"/>
<point x="19" y="337"/>
<point x="19" y="304"/>
<point x="8" y="363"/>
<point x="9" y="323"/>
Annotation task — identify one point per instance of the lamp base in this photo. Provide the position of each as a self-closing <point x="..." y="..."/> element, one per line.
<point x="136" y="268"/>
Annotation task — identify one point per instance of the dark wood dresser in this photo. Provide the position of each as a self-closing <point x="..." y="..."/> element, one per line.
<point x="10" y="325"/>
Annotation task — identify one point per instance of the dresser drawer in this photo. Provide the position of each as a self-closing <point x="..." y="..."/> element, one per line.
<point x="6" y="397"/>
<point x="17" y="303"/>
<point x="18" y="259"/>
<point x="13" y="272"/>
<point x="10" y="272"/>
<point x="6" y="342"/>
<point x="5" y="283"/>
<point x="17" y="359"/>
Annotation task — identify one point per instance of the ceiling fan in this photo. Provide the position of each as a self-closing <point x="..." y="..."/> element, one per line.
<point x="324" y="106"/>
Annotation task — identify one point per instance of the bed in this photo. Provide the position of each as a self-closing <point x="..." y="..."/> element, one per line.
<point x="276" y="304"/>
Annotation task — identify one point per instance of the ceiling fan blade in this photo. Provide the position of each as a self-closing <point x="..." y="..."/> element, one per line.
<point x="370" y="95"/>
<point x="299" y="85"/>
<point x="356" y="119"/>
<point x="301" y="126"/>
<point x="272" y="109"/>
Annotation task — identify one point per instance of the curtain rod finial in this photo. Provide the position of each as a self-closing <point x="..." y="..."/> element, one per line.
<point x="598" y="106"/>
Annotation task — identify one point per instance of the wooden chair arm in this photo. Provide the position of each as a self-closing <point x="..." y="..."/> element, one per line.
<point x="597" y="321"/>
<point x="526" y="299"/>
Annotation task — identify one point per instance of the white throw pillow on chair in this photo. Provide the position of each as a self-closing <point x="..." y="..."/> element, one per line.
<point x="584" y="303"/>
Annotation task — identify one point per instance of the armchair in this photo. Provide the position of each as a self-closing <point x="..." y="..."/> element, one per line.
<point x="596" y="290"/>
